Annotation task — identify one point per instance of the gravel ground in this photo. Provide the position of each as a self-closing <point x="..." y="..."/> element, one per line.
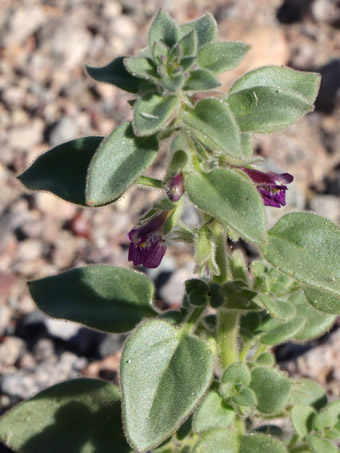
<point x="45" y="99"/>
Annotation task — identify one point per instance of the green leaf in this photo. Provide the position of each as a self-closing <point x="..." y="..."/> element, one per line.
<point x="302" y="419"/>
<point x="217" y="441"/>
<point x="259" y="443"/>
<point x="62" y="170"/>
<point x="279" y="332"/>
<point x="237" y="374"/>
<point x="322" y="301"/>
<point x="116" y="74"/>
<point x="265" y="359"/>
<point x="118" y="162"/>
<point x="306" y="247"/>
<point x="215" y="125"/>
<point x="317" y="322"/>
<point x="266" y="109"/>
<point x="246" y="145"/>
<point x="271" y="388"/>
<point x="188" y="44"/>
<point x="280" y="309"/>
<point x="320" y="445"/>
<point x="78" y="416"/>
<point x="308" y="393"/>
<point x="201" y="79"/>
<point x="164" y="29"/>
<point x="222" y="56"/>
<point x="303" y="84"/>
<point x="141" y="67"/>
<point x="213" y="413"/>
<point x="328" y="417"/>
<point x="151" y="112"/>
<point x="232" y="199"/>
<point x="205" y="28"/>
<point x="246" y="397"/>
<point x="164" y="374"/>
<point x="102" y="297"/>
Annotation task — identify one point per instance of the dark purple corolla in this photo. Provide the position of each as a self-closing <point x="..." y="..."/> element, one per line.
<point x="147" y="242"/>
<point x="175" y="188"/>
<point x="271" y="186"/>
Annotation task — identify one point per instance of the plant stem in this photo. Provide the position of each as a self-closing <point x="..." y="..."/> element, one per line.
<point x="244" y="351"/>
<point x="220" y="254"/>
<point x="150" y="182"/>
<point x="194" y="316"/>
<point x="227" y="337"/>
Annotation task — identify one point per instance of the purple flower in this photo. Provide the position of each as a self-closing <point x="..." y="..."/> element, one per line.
<point x="147" y="242"/>
<point x="270" y="185"/>
<point x="175" y="188"/>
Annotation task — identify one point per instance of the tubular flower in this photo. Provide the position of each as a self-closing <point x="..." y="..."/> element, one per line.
<point x="270" y="185"/>
<point x="175" y="188"/>
<point x="147" y="242"/>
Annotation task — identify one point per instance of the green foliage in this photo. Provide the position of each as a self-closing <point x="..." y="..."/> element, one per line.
<point x="230" y="198"/>
<point x="205" y="28"/>
<point x="101" y="297"/>
<point x="78" y="416"/>
<point x="164" y="374"/>
<point x="217" y="440"/>
<point x="213" y="412"/>
<point x="308" y="392"/>
<point x="62" y="170"/>
<point x="302" y="419"/>
<point x="222" y="56"/>
<point x="259" y="443"/>
<point x="163" y="29"/>
<point x="118" y="162"/>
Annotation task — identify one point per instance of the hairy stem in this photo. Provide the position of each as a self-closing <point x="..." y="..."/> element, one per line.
<point x="227" y="337"/>
<point x="150" y="182"/>
<point x="221" y="253"/>
<point x="194" y="316"/>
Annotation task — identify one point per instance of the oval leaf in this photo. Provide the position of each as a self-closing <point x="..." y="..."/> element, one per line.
<point x="222" y="56"/>
<point x="201" y="79"/>
<point x="266" y="109"/>
<point x="280" y="309"/>
<point x="151" y="112"/>
<point x="307" y="247"/>
<point x="279" y="332"/>
<point x="303" y="84"/>
<point x="271" y="388"/>
<point x="141" y="67"/>
<point x="217" y="441"/>
<point x="259" y="443"/>
<point x="102" y="297"/>
<point x="115" y="74"/>
<point x="320" y="445"/>
<point x="308" y="393"/>
<point x="81" y="415"/>
<point x="205" y="28"/>
<point x="317" y="322"/>
<point x="213" y="413"/>
<point x="229" y="197"/>
<point x="213" y="121"/>
<point x="62" y="170"/>
<point x="164" y="29"/>
<point x="302" y="419"/>
<point x="322" y="301"/>
<point x="164" y="374"/>
<point x="119" y="161"/>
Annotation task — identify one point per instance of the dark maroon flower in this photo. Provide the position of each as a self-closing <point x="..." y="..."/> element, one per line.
<point x="270" y="185"/>
<point x="175" y="188"/>
<point x="147" y="242"/>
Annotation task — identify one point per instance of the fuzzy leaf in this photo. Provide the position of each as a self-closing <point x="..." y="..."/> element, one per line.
<point x="266" y="109"/>
<point x="164" y="29"/>
<point x="246" y="397"/>
<point x="280" y="309"/>
<point x="116" y="74"/>
<point x="229" y="197"/>
<point x="216" y="126"/>
<point x="222" y="56"/>
<point x="188" y="44"/>
<point x="217" y="441"/>
<point x="320" y="445"/>
<point x="308" y="393"/>
<point x="328" y="417"/>
<point x="302" y="419"/>
<point x="201" y="79"/>
<point x="278" y="332"/>
<point x="303" y="84"/>
<point x="205" y="28"/>
<point x="271" y="388"/>
<point x="322" y="300"/>
<point x="118" y="162"/>
<point x="62" y="170"/>
<point x="141" y="67"/>
<point x="213" y="413"/>
<point x="151" y="112"/>
<point x="81" y="415"/>
<point x="317" y="322"/>
<point x="259" y="443"/>
<point x="164" y="374"/>
<point x="106" y="298"/>
<point x="307" y="247"/>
